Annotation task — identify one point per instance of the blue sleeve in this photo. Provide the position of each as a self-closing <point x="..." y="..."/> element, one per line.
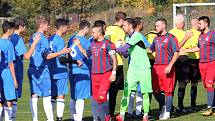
<point x="70" y="41"/>
<point x="20" y="47"/>
<point x="10" y="54"/>
<point x="146" y="42"/>
<point x="152" y="47"/>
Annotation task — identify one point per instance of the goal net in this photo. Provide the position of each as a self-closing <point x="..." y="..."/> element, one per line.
<point x="195" y="10"/>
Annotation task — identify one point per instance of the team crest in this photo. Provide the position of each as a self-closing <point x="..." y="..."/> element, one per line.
<point x="165" y="40"/>
<point x="207" y="38"/>
<point x="103" y="46"/>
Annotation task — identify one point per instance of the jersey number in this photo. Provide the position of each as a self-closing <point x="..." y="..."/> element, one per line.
<point x="73" y="53"/>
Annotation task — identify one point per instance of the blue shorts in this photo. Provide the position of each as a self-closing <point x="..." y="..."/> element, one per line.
<point x="40" y="82"/>
<point x="8" y="85"/>
<point x="59" y="87"/>
<point x="80" y="84"/>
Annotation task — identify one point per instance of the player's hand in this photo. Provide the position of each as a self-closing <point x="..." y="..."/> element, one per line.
<point x="66" y="50"/>
<point x="112" y="77"/>
<point x="167" y="69"/>
<point x="16" y="84"/>
<point x="76" y="41"/>
<point x="189" y="34"/>
<point x="182" y="51"/>
<point x="119" y="43"/>
<point x="36" y="38"/>
<point x="79" y="63"/>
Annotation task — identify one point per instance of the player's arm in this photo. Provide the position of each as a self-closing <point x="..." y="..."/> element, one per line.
<point x="187" y="36"/>
<point x="64" y="60"/>
<point x="123" y="50"/>
<point x="49" y="55"/>
<point x="29" y="53"/>
<point x="151" y="49"/>
<point x="194" y="49"/>
<point x="175" y="50"/>
<point x="172" y="62"/>
<point x="11" y="58"/>
<point x="12" y="70"/>
<point x="113" y="57"/>
<point x="83" y="51"/>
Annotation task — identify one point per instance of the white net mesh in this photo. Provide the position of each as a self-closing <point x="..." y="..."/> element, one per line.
<point x="196" y="11"/>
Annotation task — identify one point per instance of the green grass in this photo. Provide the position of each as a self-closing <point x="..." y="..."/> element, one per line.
<point x="24" y="113"/>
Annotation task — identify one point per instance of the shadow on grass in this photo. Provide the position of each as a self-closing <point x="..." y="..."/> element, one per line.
<point x="175" y="114"/>
<point x="84" y="119"/>
<point x="155" y="114"/>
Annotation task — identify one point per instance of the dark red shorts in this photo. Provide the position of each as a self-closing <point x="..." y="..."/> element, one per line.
<point x="161" y="81"/>
<point x="100" y="86"/>
<point x="207" y="71"/>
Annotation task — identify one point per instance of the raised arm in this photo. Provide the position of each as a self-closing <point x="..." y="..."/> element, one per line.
<point x="29" y="53"/>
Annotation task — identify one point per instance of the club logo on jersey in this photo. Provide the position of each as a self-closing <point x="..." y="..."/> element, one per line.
<point x="103" y="46"/>
<point x="165" y="40"/>
<point x="207" y="38"/>
<point x="202" y="43"/>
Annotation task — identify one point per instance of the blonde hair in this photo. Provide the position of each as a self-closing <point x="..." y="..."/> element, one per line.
<point x="41" y="19"/>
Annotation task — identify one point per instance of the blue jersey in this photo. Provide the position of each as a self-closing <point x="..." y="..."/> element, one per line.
<point x="6" y="53"/>
<point x="76" y="54"/>
<point x="57" y="70"/>
<point x="37" y="59"/>
<point x="20" y="50"/>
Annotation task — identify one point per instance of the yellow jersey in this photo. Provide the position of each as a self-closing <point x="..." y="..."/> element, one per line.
<point x="116" y="34"/>
<point x="179" y="34"/>
<point x="193" y="42"/>
<point x="150" y="37"/>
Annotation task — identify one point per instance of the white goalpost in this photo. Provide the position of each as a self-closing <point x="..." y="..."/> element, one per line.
<point x="200" y="9"/>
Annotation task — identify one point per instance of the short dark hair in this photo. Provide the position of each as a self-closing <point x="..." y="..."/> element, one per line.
<point x="7" y="26"/>
<point x="99" y="23"/>
<point x="61" y="22"/>
<point x="205" y="19"/>
<point x="131" y="21"/>
<point x="19" y="21"/>
<point x="119" y="16"/>
<point x="83" y="24"/>
<point x="137" y="21"/>
<point x="100" y="29"/>
<point x="162" y="20"/>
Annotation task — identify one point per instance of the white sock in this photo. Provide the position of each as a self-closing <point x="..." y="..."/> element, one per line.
<point x="53" y="104"/>
<point x="48" y="108"/>
<point x="60" y="107"/>
<point x="33" y="107"/>
<point x="139" y="103"/>
<point x="8" y="113"/>
<point x="72" y="109"/>
<point x="14" y="110"/>
<point x="131" y="103"/>
<point x="1" y="113"/>
<point x="79" y="109"/>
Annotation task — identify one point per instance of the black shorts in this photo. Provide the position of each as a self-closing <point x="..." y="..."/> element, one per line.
<point x="119" y="83"/>
<point x="187" y="69"/>
<point x="152" y="61"/>
<point x="195" y="75"/>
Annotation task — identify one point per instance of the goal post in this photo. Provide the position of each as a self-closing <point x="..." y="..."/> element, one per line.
<point x="200" y="8"/>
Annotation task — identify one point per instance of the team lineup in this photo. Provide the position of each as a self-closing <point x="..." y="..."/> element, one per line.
<point x="93" y="67"/>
